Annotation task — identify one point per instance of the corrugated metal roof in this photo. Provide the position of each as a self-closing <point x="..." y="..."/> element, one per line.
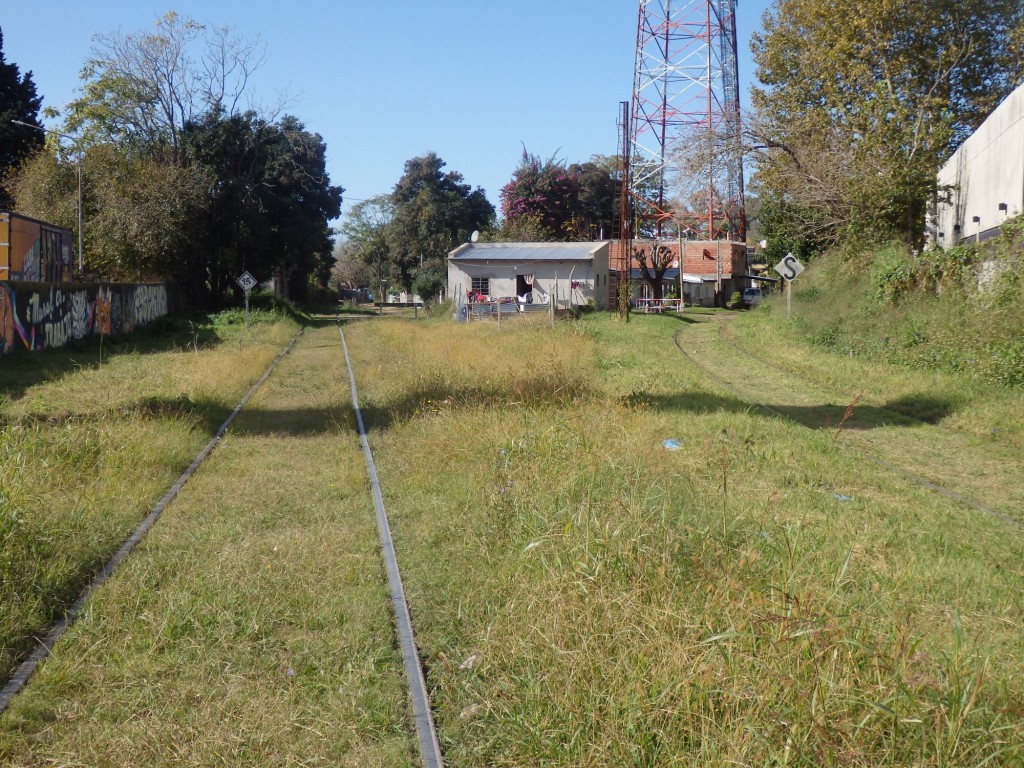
<point x="525" y="252"/>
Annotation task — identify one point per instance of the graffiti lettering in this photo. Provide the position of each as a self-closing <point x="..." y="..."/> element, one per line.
<point x="150" y="303"/>
<point x="80" y="315"/>
<point x="56" y="317"/>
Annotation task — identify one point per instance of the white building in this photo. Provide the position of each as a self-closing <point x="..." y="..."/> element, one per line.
<point x="568" y="274"/>
<point x="986" y="176"/>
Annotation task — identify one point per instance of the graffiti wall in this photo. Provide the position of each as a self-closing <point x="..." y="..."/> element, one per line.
<point x="34" y="316"/>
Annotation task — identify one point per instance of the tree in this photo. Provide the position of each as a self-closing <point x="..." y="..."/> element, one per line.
<point x="653" y="260"/>
<point x="433" y="212"/>
<point x="365" y="232"/>
<point x="522" y="229"/>
<point x="429" y="283"/>
<point x="18" y="101"/>
<point x="349" y="272"/>
<point x="301" y="203"/>
<point x="142" y="89"/>
<point x="863" y="99"/>
<point x="180" y="183"/>
<point x="141" y="213"/>
<point x="595" y="204"/>
<point x="549" y="200"/>
<point x="542" y="191"/>
<point x="266" y="209"/>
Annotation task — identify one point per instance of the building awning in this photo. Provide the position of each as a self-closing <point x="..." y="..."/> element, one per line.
<point x="672" y="276"/>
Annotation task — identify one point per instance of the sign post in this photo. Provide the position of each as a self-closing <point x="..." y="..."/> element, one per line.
<point x="247" y="282"/>
<point x="789" y="268"/>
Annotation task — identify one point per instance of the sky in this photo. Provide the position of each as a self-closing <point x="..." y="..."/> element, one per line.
<point x="474" y="81"/>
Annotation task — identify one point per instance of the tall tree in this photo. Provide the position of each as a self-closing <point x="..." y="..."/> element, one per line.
<point x="348" y="271"/>
<point x="550" y="200"/>
<point x="365" y="237"/>
<point x="267" y="207"/>
<point x="302" y="203"/>
<point x="544" y="192"/>
<point x="18" y="101"/>
<point x="595" y="204"/>
<point x="142" y="89"/>
<point x="863" y="99"/>
<point x="433" y="212"/>
<point x="181" y="182"/>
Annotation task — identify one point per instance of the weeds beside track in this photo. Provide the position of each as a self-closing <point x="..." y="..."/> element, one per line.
<point x="902" y="434"/>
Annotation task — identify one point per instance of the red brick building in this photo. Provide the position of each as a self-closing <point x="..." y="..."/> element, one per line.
<point x="711" y="270"/>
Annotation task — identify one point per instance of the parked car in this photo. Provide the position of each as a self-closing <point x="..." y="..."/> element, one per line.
<point x="751" y="297"/>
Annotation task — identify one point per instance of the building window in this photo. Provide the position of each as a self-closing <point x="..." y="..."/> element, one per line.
<point x="482" y="285"/>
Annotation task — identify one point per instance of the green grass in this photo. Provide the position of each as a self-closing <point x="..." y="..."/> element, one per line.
<point x="88" y="447"/>
<point x="626" y="605"/>
<point x="581" y="595"/>
<point x="922" y="311"/>
<point x="252" y="625"/>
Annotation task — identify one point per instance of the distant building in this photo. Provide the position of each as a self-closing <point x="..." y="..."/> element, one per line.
<point x="568" y="274"/>
<point x="712" y="270"/>
<point x="986" y="176"/>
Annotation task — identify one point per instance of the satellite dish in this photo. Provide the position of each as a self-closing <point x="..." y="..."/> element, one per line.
<point x="474" y="237"/>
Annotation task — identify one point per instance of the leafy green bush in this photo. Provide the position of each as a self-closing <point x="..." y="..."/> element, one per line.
<point x="893" y="276"/>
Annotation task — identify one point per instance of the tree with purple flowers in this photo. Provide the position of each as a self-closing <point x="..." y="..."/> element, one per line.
<point x="542" y="191"/>
<point x="549" y="200"/>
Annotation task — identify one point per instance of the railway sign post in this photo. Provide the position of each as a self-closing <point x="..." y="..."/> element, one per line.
<point x="789" y="268"/>
<point x="247" y="282"/>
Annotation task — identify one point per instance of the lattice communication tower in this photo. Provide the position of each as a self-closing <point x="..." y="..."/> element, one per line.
<point x="680" y="137"/>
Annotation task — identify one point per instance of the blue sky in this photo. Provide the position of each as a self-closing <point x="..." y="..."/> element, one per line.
<point x="386" y="81"/>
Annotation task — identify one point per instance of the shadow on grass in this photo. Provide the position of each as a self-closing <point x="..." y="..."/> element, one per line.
<point x="205" y="413"/>
<point x="905" y="412"/>
<point x="358" y="311"/>
<point x="21" y="370"/>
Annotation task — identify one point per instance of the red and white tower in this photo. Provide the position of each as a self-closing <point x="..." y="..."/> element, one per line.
<point x="681" y="137"/>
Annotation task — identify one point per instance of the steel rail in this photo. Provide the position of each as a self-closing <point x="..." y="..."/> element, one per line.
<point x="426" y="733"/>
<point x="45" y="646"/>
<point x="922" y="481"/>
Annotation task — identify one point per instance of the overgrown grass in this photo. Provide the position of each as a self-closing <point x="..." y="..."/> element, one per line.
<point x="89" y="440"/>
<point x="581" y="594"/>
<point x="251" y="627"/>
<point x="925" y="311"/>
<point x="759" y="597"/>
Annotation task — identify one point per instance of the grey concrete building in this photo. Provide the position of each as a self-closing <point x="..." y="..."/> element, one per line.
<point x="986" y="176"/>
<point x="567" y="274"/>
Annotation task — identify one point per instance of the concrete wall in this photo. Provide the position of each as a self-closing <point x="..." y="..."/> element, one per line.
<point x="34" y="316"/>
<point x="986" y="171"/>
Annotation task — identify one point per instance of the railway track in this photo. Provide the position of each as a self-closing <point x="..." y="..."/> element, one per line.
<point x="874" y="431"/>
<point x="424" y="741"/>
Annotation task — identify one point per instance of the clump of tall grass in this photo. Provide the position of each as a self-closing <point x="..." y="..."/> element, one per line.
<point x="632" y="623"/>
<point x="466" y="366"/>
<point x="927" y="310"/>
<point x="70" y="492"/>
